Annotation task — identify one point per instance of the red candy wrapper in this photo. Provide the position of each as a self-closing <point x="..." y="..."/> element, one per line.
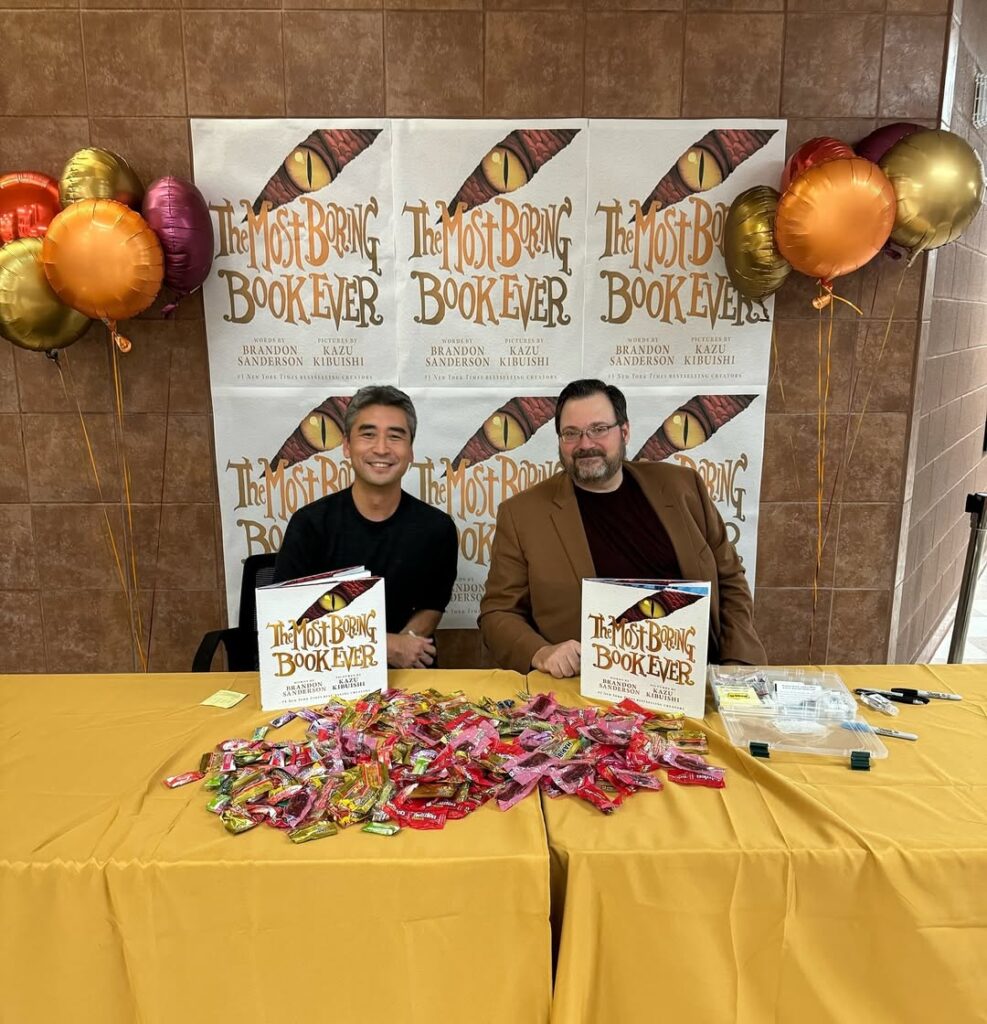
<point x="174" y="781"/>
<point x="417" y="760"/>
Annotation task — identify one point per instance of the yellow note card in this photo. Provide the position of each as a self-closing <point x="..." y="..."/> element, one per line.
<point x="737" y="696"/>
<point x="223" y="699"/>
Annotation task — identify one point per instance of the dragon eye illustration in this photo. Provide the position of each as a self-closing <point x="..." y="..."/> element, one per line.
<point x="314" y="163"/>
<point x="699" y="169"/>
<point x="504" y="170"/>
<point x="651" y="608"/>
<point x="506" y="428"/>
<point x="511" y="164"/>
<point x="657" y="605"/>
<point x="692" y="424"/>
<point x="335" y="599"/>
<point x="307" y="170"/>
<point x="321" y="430"/>
<point x="705" y="164"/>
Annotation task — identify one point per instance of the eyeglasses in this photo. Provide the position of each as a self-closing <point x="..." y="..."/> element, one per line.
<point x="594" y="432"/>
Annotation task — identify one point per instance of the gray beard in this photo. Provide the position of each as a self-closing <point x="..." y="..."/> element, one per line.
<point x="604" y="469"/>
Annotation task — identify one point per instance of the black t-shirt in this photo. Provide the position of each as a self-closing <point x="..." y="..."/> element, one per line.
<point x="415" y="550"/>
<point x="625" y="535"/>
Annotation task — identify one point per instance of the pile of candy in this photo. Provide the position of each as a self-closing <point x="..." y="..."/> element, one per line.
<point x="416" y="760"/>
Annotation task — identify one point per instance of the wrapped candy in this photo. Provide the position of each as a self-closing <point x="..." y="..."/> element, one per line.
<point x="395" y="761"/>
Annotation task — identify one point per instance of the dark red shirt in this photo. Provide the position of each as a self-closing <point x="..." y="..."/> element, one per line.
<point x="626" y="538"/>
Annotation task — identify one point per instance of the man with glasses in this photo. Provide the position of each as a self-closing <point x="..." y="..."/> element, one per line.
<point x="605" y="517"/>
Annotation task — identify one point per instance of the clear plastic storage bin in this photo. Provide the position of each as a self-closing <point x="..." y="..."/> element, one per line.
<point x="796" y="710"/>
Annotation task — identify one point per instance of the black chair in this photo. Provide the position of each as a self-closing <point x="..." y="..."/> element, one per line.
<point x="240" y="641"/>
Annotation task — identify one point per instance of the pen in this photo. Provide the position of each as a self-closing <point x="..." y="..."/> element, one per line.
<point x="936" y="695"/>
<point x="895" y="734"/>
<point x="899" y="695"/>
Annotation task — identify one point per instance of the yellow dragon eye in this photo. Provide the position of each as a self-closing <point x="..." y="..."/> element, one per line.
<point x="651" y="609"/>
<point x="321" y="432"/>
<point x="307" y="170"/>
<point x="503" y="170"/>
<point x="503" y="431"/>
<point x="699" y="169"/>
<point x="683" y="430"/>
<point x="332" y="602"/>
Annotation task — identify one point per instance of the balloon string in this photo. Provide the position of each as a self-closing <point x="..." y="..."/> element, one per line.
<point x="99" y="492"/>
<point x="877" y="365"/>
<point x="129" y="530"/>
<point x="776" y="373"/>
<point x="841" y="463"/>
<point x="824" y="373"/>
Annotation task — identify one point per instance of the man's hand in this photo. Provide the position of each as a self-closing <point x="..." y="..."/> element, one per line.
<point x="405" y="650"/>
<point x="559" y="660"/>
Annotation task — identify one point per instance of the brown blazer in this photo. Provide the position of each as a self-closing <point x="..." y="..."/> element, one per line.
<point x="540" y="556"/>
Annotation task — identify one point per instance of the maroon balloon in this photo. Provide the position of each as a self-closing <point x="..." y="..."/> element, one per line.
<point x="179" y="216"/>
<point x="875" y="145"/>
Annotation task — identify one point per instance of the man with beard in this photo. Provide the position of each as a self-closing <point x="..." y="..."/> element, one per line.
<point x="605" y="517"/>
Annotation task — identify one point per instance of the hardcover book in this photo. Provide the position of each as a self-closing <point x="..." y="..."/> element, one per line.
<point x="321" y="637"/>
<point x="647" y="640"/>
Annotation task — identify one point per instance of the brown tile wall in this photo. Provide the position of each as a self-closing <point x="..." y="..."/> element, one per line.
<point x="127" y="74"/>
<point x="946" y="457"/>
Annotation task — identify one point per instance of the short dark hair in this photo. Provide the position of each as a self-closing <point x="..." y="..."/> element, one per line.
<point x="585" y="388"/>
<point x="380" y="394"/>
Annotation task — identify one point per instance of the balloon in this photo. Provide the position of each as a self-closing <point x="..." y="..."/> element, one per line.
<point x="28" y="201"/>
<point x="755" y="266"/>
<point x="99" y="174"/>
<point x="938" y="180"/>
<point x="872" y="147"/>
<point x="31" y="315"/>
<point x="103" y="260"/>
<point x="179" y="216"/>
<point x="812" y="153"/>
<point x="835" y="217"/>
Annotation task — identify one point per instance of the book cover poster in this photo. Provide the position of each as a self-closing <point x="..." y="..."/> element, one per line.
<point x="302" y="285"/>
<point x="647" y="640"/>
<point x="277" y="449"/>
<point x="660" y="308"/>
<point x="490" y="220"/>
<point x="320" y="638"/>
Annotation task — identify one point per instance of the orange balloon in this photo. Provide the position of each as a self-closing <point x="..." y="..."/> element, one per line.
<point x="835" y="217"/>
<point x="103" y="259"/>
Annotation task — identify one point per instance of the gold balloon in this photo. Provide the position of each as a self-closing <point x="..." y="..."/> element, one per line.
<point x="31" y="315"/>
<point x="938" y="180"/>
<point x="835" y="217"/>
<point x="103" y="259"/>
<point x="99" y="174"/>
<point x="756" y="267"/>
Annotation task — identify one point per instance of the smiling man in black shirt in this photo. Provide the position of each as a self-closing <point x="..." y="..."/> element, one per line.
<point x="377" y="524"/>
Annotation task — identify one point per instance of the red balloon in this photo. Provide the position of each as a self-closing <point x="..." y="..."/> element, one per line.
<point x="28" y="202"/>
<point x="812" y="153"/>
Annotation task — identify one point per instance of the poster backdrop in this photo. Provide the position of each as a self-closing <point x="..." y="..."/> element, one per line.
<point x="479" y="265"/>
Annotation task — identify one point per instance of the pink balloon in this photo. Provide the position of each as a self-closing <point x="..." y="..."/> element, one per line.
<point x="179" y="216"/>
<point x="872" y="147"/>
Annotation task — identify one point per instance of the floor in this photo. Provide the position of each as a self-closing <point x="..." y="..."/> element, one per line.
<point x="976" y="637"/>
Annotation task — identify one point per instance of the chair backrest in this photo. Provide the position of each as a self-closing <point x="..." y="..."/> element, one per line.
<point x="258" y="571"/>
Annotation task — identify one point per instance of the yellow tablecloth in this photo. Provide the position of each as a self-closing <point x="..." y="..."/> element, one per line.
<point x="803" y="892"/>
<point x="123" y="901"/>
